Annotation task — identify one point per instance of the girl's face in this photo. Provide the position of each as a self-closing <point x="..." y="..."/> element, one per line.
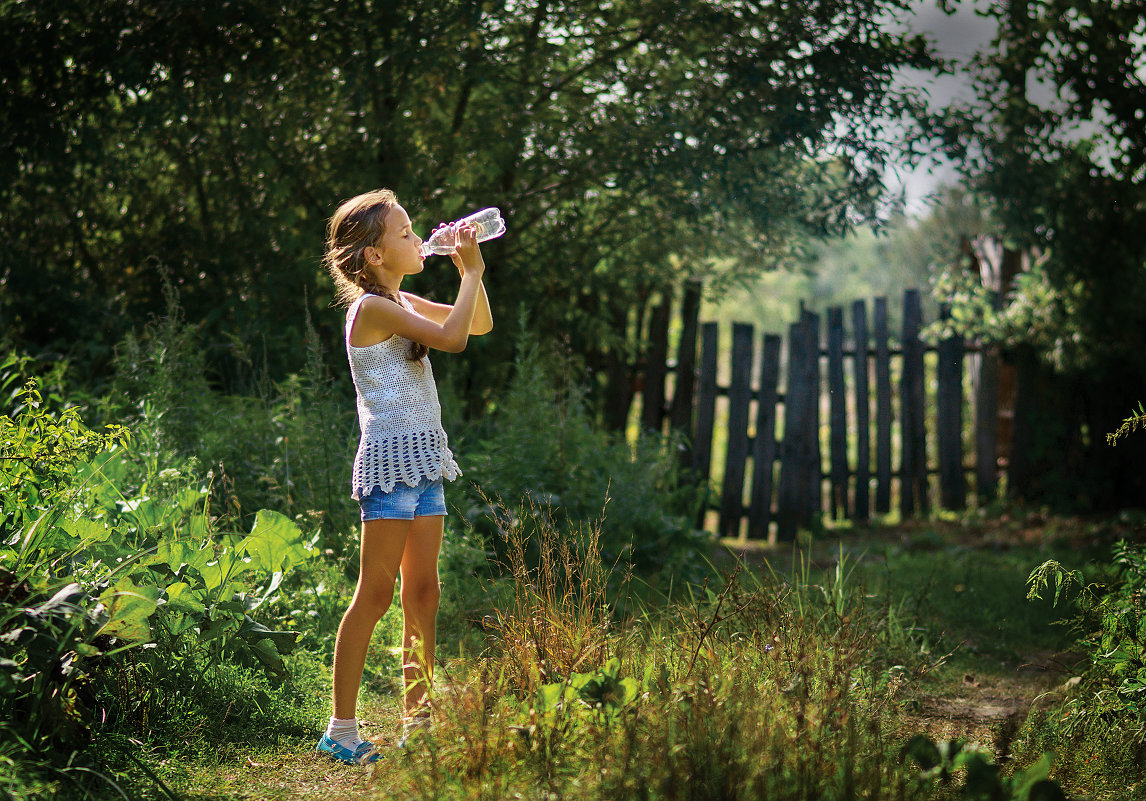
<point x="398" y="252"/>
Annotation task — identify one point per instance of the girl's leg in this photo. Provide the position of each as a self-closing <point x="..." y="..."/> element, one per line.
<point x="383" y="542"/>
<point x="421" y="592"/>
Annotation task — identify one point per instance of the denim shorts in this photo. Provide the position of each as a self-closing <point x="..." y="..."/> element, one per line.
<point x="405" y="502"/>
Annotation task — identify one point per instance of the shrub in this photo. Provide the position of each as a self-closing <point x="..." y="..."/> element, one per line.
<point x="539" y="443"/>
<point x="1104" y="708"/>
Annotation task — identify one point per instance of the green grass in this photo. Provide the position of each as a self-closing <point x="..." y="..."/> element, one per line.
<point x="793" y="674"/>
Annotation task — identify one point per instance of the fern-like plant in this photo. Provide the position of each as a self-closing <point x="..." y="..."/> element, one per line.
<point x="1136" y="421"/>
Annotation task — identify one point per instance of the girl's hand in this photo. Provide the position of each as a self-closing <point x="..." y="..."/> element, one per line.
<point x="467" y="255"/>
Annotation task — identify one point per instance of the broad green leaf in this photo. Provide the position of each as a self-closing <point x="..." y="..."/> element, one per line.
<point x="219" y="628"/>
<point x="87" y="531"/>
<point x="275" y="542"/>
<point x="181" y="597"/>
<point x="221" y="571"/>
<point x="128" y="608"/>
<point x="283" y="641"/>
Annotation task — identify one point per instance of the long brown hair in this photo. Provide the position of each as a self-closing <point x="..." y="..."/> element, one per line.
<point x="358" y="224"/>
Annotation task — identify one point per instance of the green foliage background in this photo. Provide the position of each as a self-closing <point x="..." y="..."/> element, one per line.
<point x="211" y="142"/>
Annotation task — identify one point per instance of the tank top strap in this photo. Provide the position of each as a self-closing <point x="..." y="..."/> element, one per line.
<point x="352" y="313"/>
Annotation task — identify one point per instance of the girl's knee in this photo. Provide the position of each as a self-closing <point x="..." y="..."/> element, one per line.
<point x="423" y="595"/>
<point x="370" y="605"/>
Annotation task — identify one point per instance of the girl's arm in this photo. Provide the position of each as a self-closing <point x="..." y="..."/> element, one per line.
<point x="438" y="312"/>
<point x="379" y="318"/>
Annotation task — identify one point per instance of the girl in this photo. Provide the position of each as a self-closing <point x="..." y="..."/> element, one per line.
<point x="403" y="454"/>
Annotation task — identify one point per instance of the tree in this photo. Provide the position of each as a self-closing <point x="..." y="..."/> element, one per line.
<point x="213" y="141"/>
<point x="1057" y="141"/>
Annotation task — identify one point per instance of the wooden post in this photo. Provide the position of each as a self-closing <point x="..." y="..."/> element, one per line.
<point x="913" y="439"/>
<point x="837" y="416"/>
<point x="764" y="445"/>
<point x="706" y="408"/>
<point x="987" y="425"/>
<point x="863" y="412"/>
<point x="653" y="392"/>
<point x="949" y="420"/>
<point x="684" y="383"/>
<point x="739" y="399"/>
<point x="790" y="502"/>
<point x="1023" y="434"/>
<point x="813" y="461"/>
<point x="883" y="409"/>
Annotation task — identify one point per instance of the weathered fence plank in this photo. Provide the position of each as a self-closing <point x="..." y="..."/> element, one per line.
<point x="987" y="425"/>
<point x="913" y="432"/>
<point x="883" y="409"/>
<point x="949" y="420"/>
<point x="656" y="358"/>
<point x="791" y="503"/>
<point x="813" y="467"/>
<point x="764" y="444"/>
<point x="863" y="412"/>
<point x="736" y="454"/>
<point x="837" y="416"/>
<point x="706" y="400"/>
<point x="684" y="382"/>
<point x="789" y="474"/>
<point x="1023" y="432"/>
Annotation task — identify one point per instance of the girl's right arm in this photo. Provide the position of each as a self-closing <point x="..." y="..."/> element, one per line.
<point x="379" y="318"/>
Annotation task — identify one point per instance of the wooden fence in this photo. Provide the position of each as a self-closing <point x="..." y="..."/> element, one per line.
<point x="801" y="435"/>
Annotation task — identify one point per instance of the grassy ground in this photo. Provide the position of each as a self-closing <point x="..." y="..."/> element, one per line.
<point x="961" y="588"/>
<point x="947" y="599"/>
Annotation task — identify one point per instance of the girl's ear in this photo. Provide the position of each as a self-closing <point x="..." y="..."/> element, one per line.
<point x="372" y="255"/>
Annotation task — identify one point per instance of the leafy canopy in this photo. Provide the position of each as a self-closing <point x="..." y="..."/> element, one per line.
<point x="213" y="141"/>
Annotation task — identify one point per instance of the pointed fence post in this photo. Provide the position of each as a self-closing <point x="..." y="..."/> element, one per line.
<point x="913" y="437"/>
<point x="736" y="455"/>
<point x="882" y="409"/>
<point x="791" y="501"/>
<point x="949" y="420"/>
<point x="653" y="392"/>
<point x="684" y="379"/>
<point x="705" y="409"/>
<point x="764" y="444"/>
<point x="837" y="416"/>
<point x="863" y="413"/>
<point x="812" y="461"/>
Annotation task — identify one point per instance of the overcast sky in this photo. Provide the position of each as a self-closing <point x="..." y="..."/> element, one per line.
<point x="956" y="37"/>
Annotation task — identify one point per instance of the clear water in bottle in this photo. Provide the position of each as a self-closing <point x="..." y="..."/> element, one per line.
<point x="488" y="222"/>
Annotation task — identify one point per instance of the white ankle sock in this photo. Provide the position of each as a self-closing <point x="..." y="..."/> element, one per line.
<point x="344" y="732"/>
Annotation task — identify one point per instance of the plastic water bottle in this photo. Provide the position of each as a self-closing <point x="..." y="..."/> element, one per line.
<point x="489" y="225"/>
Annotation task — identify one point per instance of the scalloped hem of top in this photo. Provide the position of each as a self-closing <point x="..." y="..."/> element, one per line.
<point x="447" y="473"/>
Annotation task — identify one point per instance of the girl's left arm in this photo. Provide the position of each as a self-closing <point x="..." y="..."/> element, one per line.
<point x="438" y="312"/>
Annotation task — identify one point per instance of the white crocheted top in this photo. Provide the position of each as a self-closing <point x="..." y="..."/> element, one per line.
<point x="398" y="413"/>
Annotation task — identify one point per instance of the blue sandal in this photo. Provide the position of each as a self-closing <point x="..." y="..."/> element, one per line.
<point x="364" y="754"/>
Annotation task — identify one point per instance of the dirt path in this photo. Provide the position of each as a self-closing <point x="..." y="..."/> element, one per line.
<point x="982" y="700"/>
<point x="990" y="707"/>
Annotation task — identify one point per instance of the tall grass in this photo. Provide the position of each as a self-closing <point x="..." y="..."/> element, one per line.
<point x="752" y="688"/>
